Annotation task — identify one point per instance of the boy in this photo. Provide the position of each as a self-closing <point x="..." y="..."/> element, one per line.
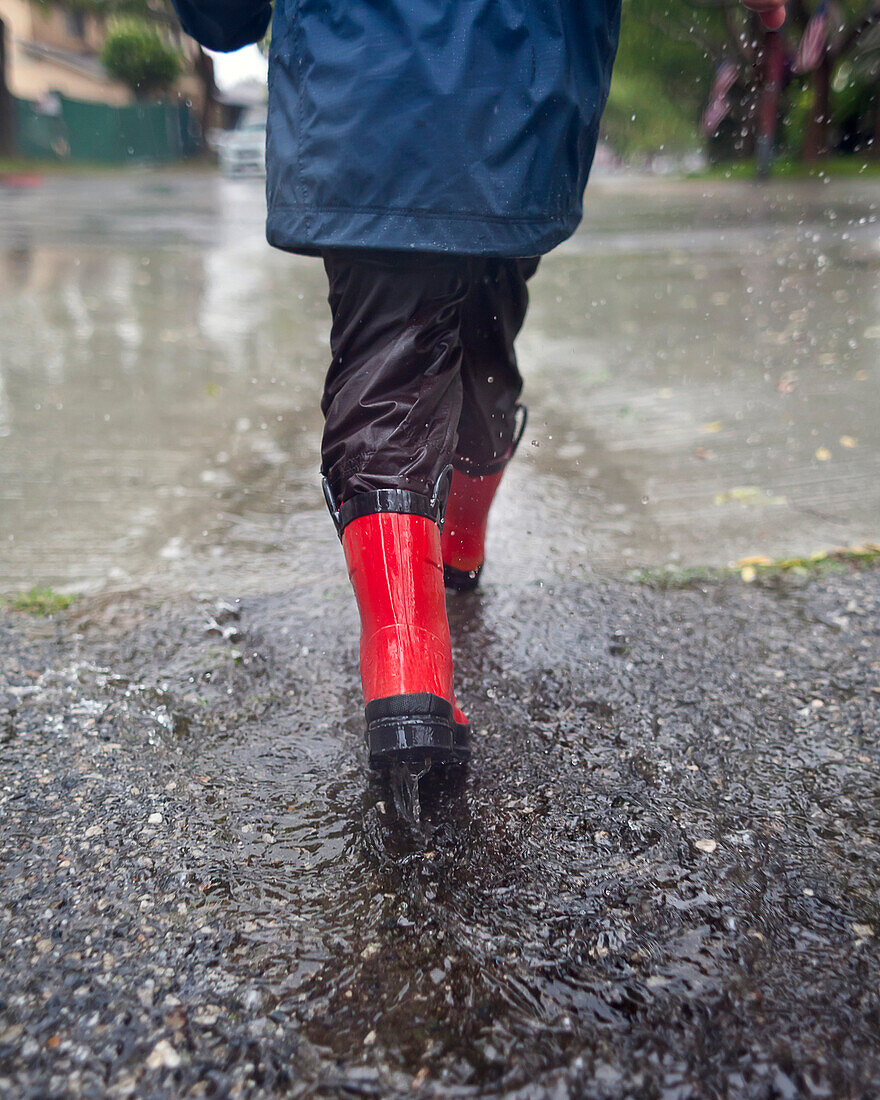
<point x="429" y="151"/>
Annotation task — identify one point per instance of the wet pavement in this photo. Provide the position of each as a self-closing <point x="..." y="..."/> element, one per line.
<point x="701" y="364"/>
<point x="661" y="878"/>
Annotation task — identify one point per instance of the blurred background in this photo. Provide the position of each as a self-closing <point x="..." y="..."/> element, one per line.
<point x="700" y="358"/>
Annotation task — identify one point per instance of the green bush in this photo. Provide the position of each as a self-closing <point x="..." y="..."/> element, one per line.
<point x="796" y="115"/>
<point x="136" y="54"/>
<point x="641" y="118"/>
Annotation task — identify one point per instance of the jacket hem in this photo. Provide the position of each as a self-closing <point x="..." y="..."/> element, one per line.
<point x="311" y="230"/>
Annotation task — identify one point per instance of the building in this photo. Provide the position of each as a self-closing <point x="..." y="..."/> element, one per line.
<point x="52" y="50"/>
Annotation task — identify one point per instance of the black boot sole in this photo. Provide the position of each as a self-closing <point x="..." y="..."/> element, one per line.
<point x="459" y="580"/>
<point x="418" y="730"/>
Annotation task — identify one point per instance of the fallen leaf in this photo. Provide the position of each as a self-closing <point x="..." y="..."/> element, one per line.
<point x="742" y="494"/>
<point x="748" y="496"/>
<point x="823" y="454"/>
<point x="712" y="427"/>
<point x="848" y="441"/>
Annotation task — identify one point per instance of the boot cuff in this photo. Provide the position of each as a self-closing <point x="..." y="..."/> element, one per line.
<point x="401" y="501"/>
<point x="389" y="500"/>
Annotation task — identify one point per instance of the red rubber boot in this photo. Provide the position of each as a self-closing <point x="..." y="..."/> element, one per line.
<point x="395" y="567"/>
<point x="464" y="531"/>
<point x="467" y="515"/>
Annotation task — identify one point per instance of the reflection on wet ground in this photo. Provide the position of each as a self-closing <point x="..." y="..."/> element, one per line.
<point x="701" y="364"/>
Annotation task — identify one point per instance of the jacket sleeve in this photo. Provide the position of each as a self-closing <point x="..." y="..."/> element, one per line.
<point x="224" y="25"/>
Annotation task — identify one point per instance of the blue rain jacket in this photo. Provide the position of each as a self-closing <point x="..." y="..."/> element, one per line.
<point x="463" y="126"/>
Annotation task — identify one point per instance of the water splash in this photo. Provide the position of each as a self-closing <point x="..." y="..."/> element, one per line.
<point x="403" y="780"/>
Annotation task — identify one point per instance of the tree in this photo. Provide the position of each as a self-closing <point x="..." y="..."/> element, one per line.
<point x="685" y="40"/>
<point x="7" y="114"/>
<point x="667" y="58"/>
<point x="848" y="24"/>
<point x="161" y="14"/>
<point x="136" y="54"/>
<point x="658" y="88"/>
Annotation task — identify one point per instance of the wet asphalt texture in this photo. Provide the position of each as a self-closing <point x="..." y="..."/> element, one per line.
<point x="660" y="878"/>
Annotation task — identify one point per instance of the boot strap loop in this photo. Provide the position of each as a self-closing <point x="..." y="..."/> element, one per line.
<point x="331" y="505"/>
<point x="401" y="501"/>
<point x="522" y="412"/>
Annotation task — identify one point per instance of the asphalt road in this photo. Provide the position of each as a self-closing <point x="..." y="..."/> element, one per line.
<point x="661" y="879"/>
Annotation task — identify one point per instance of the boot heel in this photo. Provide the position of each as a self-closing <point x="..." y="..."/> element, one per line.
<point x="459" y="580"/>
<point x="415" y="729"/>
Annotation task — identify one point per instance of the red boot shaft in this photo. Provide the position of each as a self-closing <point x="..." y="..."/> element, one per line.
<point x="396" y="571"/>
<point x="467" y="516"/>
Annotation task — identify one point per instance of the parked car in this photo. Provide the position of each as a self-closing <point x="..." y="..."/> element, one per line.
<point x="242" y="150"/>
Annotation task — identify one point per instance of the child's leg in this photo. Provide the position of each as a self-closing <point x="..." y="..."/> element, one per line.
<point x="392" y="396"/>
<point x="392" y="402"/>
<point x="492" y="316"/>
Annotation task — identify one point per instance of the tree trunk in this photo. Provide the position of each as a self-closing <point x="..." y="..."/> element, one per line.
<point x="875" y="148"/>
<point x="7" y="106"/>
<point x="768" y="114"/>
<point x="816" y="137"/>
<point x="204" y="67"/>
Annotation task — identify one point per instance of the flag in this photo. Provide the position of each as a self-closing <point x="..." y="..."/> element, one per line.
<point x="718" y="107"/>
<point x="812" y="48"/>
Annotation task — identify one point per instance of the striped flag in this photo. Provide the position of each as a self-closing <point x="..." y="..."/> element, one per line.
<point x="718" y="107"/>
<point x="815" y="40"/>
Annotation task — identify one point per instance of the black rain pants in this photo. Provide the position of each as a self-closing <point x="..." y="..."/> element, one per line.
<point x="424" y="371"/>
